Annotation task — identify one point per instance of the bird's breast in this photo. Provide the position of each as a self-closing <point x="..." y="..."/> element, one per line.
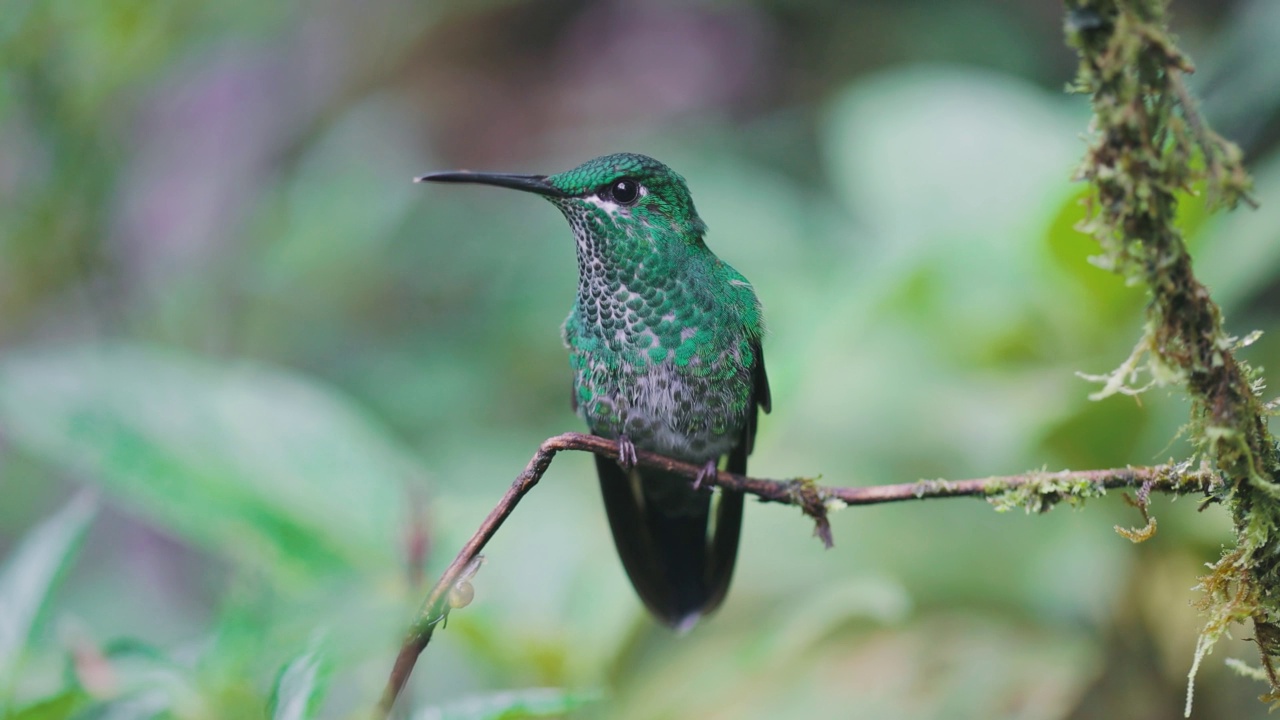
<point x="693" y="411"/>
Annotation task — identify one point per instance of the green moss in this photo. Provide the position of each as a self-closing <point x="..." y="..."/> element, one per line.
<point x="1042" y="492"/>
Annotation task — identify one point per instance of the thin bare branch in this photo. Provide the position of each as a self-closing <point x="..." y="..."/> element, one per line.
<point x="1037" y="491"/>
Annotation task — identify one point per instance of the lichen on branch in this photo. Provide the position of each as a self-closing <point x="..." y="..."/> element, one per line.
<point x="1149" y="145"/>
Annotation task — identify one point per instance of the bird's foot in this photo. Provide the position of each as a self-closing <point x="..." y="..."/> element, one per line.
<point x="706" y="475"/>
<point x="626" y="452"/>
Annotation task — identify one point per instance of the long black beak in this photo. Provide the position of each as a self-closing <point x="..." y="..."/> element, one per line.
<point x="529" y="183"/>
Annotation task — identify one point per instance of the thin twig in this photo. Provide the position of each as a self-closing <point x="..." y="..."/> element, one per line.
<point x="813" y="499"/>
<point x="436" y="608"/>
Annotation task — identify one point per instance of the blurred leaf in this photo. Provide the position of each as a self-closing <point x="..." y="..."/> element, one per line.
<point x="139" y="669"/>
<point x="951" y="176"/>
<point x="1000" y="158"/>
<point x="58" y="707"/>
<point x="299" y="688"/>
<point x="256" y="463"/>
<point x="30" y="574"/>
<point x="148" y="684"/>
<point x="526" y="703"/>
<point x="142" y="706"/>
<point x="1109" y="300"/>
<point x="1097" y="434"/>
<point x="824" y="611"/>
<point x="936" y="668"/>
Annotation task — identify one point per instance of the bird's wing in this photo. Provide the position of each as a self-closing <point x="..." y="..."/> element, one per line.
<point x="760" y="399"/>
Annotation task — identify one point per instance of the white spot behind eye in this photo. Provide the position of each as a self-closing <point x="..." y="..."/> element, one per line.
<point x="609" y="206"/>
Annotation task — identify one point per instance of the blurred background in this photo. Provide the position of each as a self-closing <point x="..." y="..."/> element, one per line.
<point x="256" y="387"/>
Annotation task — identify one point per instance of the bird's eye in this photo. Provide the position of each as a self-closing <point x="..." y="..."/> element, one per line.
<point x="624" y="192"/>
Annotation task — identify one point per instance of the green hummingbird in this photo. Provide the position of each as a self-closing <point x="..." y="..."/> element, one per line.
<point x="664" y="343"/>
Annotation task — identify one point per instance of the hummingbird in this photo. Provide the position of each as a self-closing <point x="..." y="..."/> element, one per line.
<point x="664" y="342"/>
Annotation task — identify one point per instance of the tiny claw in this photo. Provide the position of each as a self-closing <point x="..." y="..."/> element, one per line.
<point x="626" y="452"/>
<point x="708" y="472"/>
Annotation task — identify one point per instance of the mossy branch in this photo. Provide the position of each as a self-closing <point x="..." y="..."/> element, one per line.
<point x="1033" y="492"/>
<point x="1149" y="145"/>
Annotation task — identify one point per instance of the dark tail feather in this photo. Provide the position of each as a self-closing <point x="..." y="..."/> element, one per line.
<point x="728" y="528"/>
<point x="660" y="526"/>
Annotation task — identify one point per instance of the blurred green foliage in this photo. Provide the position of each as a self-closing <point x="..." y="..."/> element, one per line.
<point x="292" y="377"/>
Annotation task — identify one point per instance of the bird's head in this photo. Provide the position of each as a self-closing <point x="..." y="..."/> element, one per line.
<point x="623" y="198"/>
